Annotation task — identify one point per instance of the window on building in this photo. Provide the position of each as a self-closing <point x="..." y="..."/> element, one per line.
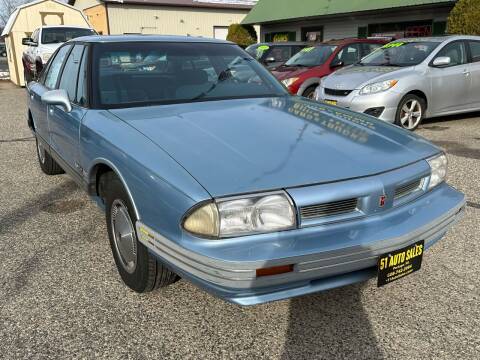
<point x="281" y="36"/>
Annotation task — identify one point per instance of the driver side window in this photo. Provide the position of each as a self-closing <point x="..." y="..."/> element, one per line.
<point x="55" y="66"/>
<point x="349" y="55"/>
<point x="456" y="51"/>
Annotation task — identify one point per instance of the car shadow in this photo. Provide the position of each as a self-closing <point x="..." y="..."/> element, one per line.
<point x="444" y="119"/>
<point x="330" y="325"/>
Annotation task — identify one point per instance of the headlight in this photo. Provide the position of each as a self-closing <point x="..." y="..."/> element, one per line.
<point x="46" y="57"/>
<point x="289" y="81"/>
<point x="438" y="166"/>
<point x="378" y="87"/>
<point x="242" y="216"/>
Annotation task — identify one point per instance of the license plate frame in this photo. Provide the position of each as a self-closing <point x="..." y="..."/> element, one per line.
<point x="399" y="263"/>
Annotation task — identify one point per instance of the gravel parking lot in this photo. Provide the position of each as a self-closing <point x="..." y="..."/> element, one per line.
<point x="61" y="296"/>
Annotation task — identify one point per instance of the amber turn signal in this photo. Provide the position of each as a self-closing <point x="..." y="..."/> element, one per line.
<point x="275" y="270"/>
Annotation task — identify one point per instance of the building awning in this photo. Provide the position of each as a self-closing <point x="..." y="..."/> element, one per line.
<point x="266" y="11"/>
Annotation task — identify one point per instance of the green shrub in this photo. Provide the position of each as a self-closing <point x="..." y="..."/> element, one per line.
<point x="465" y="18"/>
<point x="243" y="35"/>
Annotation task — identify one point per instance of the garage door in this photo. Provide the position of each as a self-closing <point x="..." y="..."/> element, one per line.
<point x="220" y="32"/>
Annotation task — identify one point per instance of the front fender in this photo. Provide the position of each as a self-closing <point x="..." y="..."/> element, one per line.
<point x="307" y="83"/>
<point x="160" y="189"/>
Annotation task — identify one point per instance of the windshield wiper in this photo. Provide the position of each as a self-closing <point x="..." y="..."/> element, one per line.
<point x="224" y="75"/>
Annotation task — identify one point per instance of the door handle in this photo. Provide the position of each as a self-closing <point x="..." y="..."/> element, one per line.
<point x="31" y="96"/>
<point x="466" y="73"/>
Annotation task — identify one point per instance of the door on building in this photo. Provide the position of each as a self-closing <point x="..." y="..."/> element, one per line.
<point x="220" y="32"/>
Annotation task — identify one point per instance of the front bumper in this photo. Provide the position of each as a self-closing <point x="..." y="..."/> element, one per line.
<point x="222" y="266"/>
<point x="389" y="100"/>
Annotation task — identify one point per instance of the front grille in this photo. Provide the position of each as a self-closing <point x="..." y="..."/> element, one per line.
<point x="329" y="209"/>
<point x="336" y="92"/>
<point x="407" y="189"/>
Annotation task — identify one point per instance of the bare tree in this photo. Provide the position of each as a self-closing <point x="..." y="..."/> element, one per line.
<point x="7" y="7"/>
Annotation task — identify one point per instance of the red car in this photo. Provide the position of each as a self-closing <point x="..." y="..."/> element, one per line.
<point x="302" y="73"/>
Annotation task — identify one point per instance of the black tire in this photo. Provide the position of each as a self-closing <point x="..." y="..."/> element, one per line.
<point x="310" y="92"/>
<point x="47" y="164"/>
<point x="148" y="273"/>
<point x="402" y="118"/>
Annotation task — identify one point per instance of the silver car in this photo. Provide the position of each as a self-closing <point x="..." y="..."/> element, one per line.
<point x="408" y="80"/>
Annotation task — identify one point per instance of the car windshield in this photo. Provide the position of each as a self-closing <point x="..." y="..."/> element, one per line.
<point x="257" y="50"/>
<point x="63" y="34"/>
<point x="147" y="73"/>
<point x="400" y="53"/>
<point x="312" y="56"/>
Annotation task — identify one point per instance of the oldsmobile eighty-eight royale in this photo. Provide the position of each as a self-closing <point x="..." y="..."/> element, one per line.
<point x="208" y="169"/>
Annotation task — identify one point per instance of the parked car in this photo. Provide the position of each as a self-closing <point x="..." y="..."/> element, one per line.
<point x="302" y="73"/>
<point x="250" y="193"/>
<point x="3" y="50"/>
<point x="410" y="79"/>
<point x="43" y="42"/>
<point x="275" y="53"/>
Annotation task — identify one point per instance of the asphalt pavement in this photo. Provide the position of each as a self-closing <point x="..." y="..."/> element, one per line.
<point x="61" y="296"/>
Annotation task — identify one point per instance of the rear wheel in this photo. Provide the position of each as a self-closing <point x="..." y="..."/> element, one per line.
<point x="410" y="112"/>
<point x="47" y="164"/>
<point x="139" y="269"/>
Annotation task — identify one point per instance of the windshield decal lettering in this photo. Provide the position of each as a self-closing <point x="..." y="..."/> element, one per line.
<point x="393" y="45"/>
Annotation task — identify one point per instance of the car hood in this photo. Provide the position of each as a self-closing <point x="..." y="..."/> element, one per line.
<point x="50" y="48"/>
<point x="250" y="145"/>
<point x="354" y="77"/>
<point x="286" y="72"/>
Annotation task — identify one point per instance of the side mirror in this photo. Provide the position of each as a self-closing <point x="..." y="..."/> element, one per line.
<point x="26" y="41"/>
<point x="57" y="97"/>
<point x="269" y="60"/>
<point x="442" y="61"/>
<point x="336" y="64"/>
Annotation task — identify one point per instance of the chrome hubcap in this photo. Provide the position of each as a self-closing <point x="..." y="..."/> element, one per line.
<point x="124" y="236"/>
<point x="411" y="114"/>
<point x="41" y="152"/>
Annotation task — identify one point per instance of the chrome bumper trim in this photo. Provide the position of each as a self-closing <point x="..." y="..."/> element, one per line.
<point x="242" y="275"/>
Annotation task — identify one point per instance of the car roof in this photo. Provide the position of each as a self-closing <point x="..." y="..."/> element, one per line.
<point x="440" y="38"/>
<point x="351" y="40"/>
<point x="282" y="43"/>
<point x="64" y="26"/>
<point x="143" y="38"/>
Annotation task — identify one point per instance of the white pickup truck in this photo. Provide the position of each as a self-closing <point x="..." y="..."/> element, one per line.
<point x="43" y="43"/>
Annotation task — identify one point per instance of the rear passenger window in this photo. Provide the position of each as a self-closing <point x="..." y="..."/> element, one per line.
<point x="70" y="72"/>
<point x="56" y="65"/>
<point x="475" y="50"/>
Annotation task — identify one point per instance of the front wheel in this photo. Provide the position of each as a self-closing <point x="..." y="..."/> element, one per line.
<point x="410" y="112"/>
<point x="309" y="92"/>
<point x="139" y="269"/>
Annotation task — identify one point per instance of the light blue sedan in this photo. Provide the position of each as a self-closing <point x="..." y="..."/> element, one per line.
<point x="209" y="170"/>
